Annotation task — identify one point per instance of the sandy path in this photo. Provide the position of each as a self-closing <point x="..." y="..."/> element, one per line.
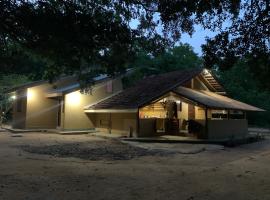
<point x="232" y="173"/>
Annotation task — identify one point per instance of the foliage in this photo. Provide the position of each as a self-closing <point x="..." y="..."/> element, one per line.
<point x="246" y="37"/>
<point x="240" y="84"/>
<point x="15" y="60"/>
<point x="88" y="36"/>
<point x="179" y="57"/>
<point x="8" y="81"/>
<point x="73" y="36"/>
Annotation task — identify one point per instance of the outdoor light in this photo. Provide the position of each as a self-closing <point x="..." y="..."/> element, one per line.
<point x="178" y="102"/>
<point x="205" y="71"/>
<point x="30" y="94"/>
<point x="13" y="97"/>
<point x="73" y="98"/>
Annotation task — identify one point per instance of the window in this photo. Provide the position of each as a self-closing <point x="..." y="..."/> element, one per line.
<point x="234" y="114"/>
<point x="104" y="122"/>
<point x="219" y="114"/>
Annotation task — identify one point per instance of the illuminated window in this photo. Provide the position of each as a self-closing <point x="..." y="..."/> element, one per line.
<point x="219" y="114"/>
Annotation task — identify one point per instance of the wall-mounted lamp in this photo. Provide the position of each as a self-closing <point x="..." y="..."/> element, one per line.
<point x="30" y="94"/>
<point x="13" y="97"/>
<point x="205" y="71"/>
<point x="73" y="98"/>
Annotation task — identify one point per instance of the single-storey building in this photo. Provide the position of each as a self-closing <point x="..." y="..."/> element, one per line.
<point x="185" y="102"/>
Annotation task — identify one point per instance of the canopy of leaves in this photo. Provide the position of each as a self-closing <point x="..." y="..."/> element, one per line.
<point x="247" y="37"/>
<point x="7" y="81"/>
<point x="80" y="36"/>
<point x="177" y="58"/>
<point x="240" y="84"/>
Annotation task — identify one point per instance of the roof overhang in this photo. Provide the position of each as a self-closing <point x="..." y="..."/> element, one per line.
<point x="111" y="111"/>
<point x="54" y="95"/>
<point x="210" y="79"/>
<point x="213" y="100"/>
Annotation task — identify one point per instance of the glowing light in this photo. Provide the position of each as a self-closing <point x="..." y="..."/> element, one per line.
<point x="205" y="71"/>
<point x="30" y="94"/>
<point x="13" y="97"/>
<point x="73" y="98"/>
<point x="178" y="102"/>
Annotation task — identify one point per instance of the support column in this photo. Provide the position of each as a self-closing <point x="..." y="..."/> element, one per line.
<point x="110" y="123"/>
<point x="206" y="124"/>
<point x="138" y="122"/>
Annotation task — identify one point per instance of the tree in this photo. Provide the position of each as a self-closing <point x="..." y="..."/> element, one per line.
<point x="248" y="37"/>
<point x="81" y="36"/>
<point x="8" y="81"/>
<point x="240" y="84"/>
<point x="177" y="58"/>
<point x="15" y="60"/>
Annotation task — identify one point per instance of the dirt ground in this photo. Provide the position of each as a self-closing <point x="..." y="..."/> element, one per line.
<point x="68" y="167"/>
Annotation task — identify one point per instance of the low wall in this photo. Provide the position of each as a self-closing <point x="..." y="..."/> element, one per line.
<point x="118" y="123"/>
<point x="224" y="129"/>
<point x="147" y="127"/>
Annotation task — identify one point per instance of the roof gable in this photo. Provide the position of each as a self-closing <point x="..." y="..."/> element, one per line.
<point x="147" y="90"/>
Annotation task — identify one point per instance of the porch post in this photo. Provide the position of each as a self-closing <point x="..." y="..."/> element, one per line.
<point x="63" y="114"/>
<point x="206" y="123"/>
<point x="138" y="122"/>
<point x="110" y="123"/>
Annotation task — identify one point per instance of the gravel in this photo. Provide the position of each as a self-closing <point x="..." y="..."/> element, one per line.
<point x="94" y="150"/>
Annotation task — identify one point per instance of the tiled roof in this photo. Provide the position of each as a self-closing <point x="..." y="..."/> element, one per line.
<point x="146" y="90"/>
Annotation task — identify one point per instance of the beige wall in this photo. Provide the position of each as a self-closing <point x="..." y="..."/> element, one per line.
<point x="199" y="113"/>
<point x="41" y="111"/>
<point x="37" y="110"/>
<point x="147" y="127"/>
<point x="184" y="113"/>
<point x="198" y="84"/>
<point x="73" y="115"/>
<point x="119" y="123"/>
<point x="222" y="129"/>
<point x="18" y="120"/>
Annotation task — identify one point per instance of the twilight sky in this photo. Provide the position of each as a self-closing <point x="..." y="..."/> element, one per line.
<point x="197" y="39"/>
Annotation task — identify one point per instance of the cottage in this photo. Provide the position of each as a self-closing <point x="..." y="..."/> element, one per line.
<point x="187" y="102"/>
